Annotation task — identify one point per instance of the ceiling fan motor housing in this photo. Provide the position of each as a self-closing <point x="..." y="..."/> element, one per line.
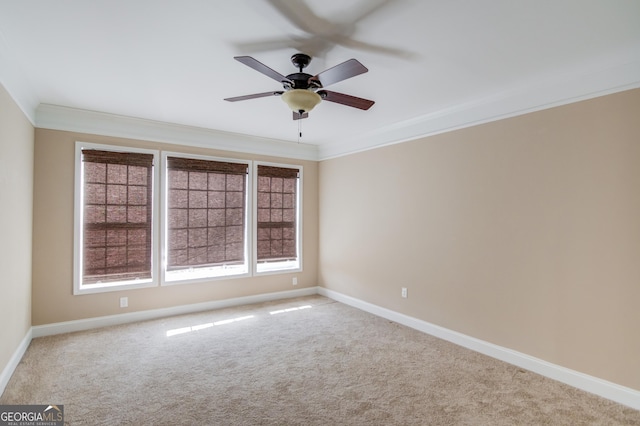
<point x="301" y="80"/>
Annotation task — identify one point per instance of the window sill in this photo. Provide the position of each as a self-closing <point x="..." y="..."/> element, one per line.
<point x="187" y="276"/>
<point x="113" y="286"/>
<point x="278" y="267"/>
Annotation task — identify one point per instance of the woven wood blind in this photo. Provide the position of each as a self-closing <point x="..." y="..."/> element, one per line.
<point x="206" y="213"/>
<point x="117" y="214"/>
<point x="277" y="197"/>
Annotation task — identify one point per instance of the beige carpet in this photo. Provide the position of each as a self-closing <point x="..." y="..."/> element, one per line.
<point x="304" y="361"/>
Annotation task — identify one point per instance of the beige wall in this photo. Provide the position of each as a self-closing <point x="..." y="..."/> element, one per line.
<point x="53" y="300"/>
<point x="523" y="232"/>
<point x="16" y="198"/>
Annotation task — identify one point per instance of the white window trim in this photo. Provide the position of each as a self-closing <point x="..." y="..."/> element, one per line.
<point x="78" y="287"/>
<point x="200" y="275"/>
<point x="284" y="266"/>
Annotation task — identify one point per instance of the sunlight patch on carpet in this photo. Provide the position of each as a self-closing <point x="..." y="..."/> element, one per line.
<point x="184" y="330"/>
<point x="282" y="311"/>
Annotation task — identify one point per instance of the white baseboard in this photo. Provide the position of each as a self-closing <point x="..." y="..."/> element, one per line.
<point x="612" y="391"/>
<point x="8" y="370"/>
<point x="91" y="323"/>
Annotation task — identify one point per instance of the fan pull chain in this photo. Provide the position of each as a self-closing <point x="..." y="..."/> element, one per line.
<point x="299" y="129"/>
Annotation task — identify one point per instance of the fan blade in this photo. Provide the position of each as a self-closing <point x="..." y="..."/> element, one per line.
<point x="368" y="47"/>
<point x="369" y="8"/>
<point x="322" y="34"/>
<point x="340" y="72"/>
<point x="311" y="45"/>
<point x="267" y="45"/>
<point x="254" y="96"/>
<point x="348" y="100"/>
<point x="262" y="68"/>
<point x="298" y="116"/>
<point x="301" y="16"/>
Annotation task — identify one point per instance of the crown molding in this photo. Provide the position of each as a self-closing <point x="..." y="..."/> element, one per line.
<point x="558" y="90"/>
<point x="56" y="117"/>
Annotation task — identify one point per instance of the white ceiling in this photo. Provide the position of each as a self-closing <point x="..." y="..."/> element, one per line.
<point x="435" y="65"/>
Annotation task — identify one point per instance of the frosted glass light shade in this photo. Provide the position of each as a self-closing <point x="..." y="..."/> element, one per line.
<point x="301" y="99"/>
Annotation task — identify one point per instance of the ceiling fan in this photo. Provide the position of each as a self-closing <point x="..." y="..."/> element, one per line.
<point x="302" y="91"/>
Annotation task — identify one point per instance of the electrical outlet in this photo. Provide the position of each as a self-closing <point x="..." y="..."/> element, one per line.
<point x="124" y="302"/>
<point x="295" y="280"/>
<point x="404" y="292"/>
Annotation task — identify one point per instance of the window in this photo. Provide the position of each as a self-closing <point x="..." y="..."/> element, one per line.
<point x="206" y="218"/>
<point x="277" y="218"/>
<point x="193" y="227"/>
<point x="115" y="214"/>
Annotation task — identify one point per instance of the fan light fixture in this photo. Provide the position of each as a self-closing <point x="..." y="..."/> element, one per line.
<point x="301" y="100"/>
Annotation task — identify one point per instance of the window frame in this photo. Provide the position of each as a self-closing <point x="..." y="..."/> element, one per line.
<point x="274" y="267"/>
<point x="164" y="219"/>
<point x="79" y="287"/>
